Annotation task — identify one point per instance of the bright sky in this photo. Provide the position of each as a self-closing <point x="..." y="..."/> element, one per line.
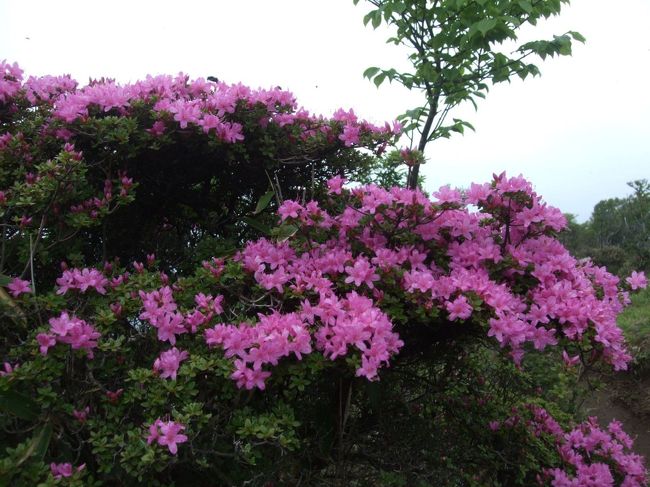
<point x="579" y="132"/>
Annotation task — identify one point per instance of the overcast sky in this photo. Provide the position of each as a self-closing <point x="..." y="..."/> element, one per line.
<point x="579" y="132"/>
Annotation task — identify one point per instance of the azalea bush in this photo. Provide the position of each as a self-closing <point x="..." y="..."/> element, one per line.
<point x="373" y="337"/>
<point x="198" y="154"/>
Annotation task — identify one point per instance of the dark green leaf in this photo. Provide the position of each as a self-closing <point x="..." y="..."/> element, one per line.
<point x="18" y="405"/>
<point x="376" y="20"/>
<point x="4" y="280"/>
<point x="260" y="227"/>
<point x="370" y="72"/>
<point x="577" y="36"/>
<point x="526" y="6"/>
<point x="284" y="232"/>
<point x="485" y="25"/>
<point x="264" y="202"/>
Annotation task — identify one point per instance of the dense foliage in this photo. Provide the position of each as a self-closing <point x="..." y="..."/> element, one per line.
<point x="618" y="233"/>
<point x="374" y="337"/>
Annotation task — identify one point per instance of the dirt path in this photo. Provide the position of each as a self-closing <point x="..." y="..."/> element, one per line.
<point x="625" y="399"/>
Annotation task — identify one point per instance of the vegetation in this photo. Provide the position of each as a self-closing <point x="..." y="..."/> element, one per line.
<point x="618" y="233"/>
<point x="456" y="50"/>
<point x="191" y="293"/>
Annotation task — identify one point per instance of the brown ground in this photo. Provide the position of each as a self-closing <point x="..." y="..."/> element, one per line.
<point x="627" y="399"/>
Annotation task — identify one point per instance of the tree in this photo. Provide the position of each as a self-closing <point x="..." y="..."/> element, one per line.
<point x="457" y="48"/>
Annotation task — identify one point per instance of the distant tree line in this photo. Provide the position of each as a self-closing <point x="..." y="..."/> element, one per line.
<point x="618" y="233"/>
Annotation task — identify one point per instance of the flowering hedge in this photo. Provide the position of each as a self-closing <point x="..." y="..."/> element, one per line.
<point x="198" y="154"/>
<point x="257" y="366"/>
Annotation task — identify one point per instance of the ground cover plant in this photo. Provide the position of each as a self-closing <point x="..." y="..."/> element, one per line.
<point x="193" y="295"/>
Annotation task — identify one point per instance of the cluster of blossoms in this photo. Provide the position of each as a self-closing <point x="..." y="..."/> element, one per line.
<point x="500" y="267"/>
<point x="169" y="362"/>
<point x="198" y="103"/>
<point x="592" y="456"/>
<point x="166" y="433"/>
<point x="71" y="330"/>
<point x="452" y="264"/>
<point x="161" y="311"/>
<point x="82" y="279"/>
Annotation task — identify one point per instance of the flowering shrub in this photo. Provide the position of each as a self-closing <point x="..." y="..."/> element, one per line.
<point x="199" y="155"/>
<point x="269" y="364"/>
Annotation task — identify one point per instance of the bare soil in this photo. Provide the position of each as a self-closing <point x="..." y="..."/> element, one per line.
<point x="627" y="399"/>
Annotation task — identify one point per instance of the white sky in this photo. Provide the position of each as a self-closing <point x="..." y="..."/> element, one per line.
<point x="579" y="132"/>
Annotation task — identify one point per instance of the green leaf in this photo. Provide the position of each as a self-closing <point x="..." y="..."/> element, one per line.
<point x="379" y="79"/>
<point x="284" y="232"/>
<point x="376" y="20"/>
<point x="577" y="36"/>
<point x="485" y="25"/>
<point x="38" y="444"/>
<point x="526" y="6"/>
<point x="19" y="405"/>
<point x="4" y="280"/>
<point x="264" y="202"/>
<point x="260" y="227"/>
<point x="370" y="72"/>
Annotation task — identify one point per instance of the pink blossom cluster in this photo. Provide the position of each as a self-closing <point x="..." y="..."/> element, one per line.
<point x="215" y="266"/>
<point x="451" y="263"/>
<point x="161" y="311"/>
<point x="253" y="346"/>
<point x="10" y="80"/>
<point x="169" y="361"/>
<point x="71" y="330"/>
<point x="166" y="433"/>
<point x="82" y="279"/>
<point x="591" y="455"/>
<point x="187" y="103"/>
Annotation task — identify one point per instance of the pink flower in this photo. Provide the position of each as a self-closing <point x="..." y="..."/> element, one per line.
<point x="19" y="286"/>
<point x="157" y="129"/>
<point x="25" y="221"/>
<point x="82" y="415"/>
<point x="570" y="361"/>
<point x="169" y="362"/>
<point x="8" y="369"/>
<point x="167" y="433"/>
<point x="637" y="280"/>
<point x="60" y="470"/>
<point x="46" y="341"/>
<point x="361" y="273"/>
<point x="350" y="135"/>
<point x="335" y="184"/>
<point x="459" y="308"/>
<point x="289" y="209"/>
<point x="447" y="195"/>
<point x="114" y="396"/>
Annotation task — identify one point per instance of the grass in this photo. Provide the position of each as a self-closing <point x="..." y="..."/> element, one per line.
<point x="635" y="322"/>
